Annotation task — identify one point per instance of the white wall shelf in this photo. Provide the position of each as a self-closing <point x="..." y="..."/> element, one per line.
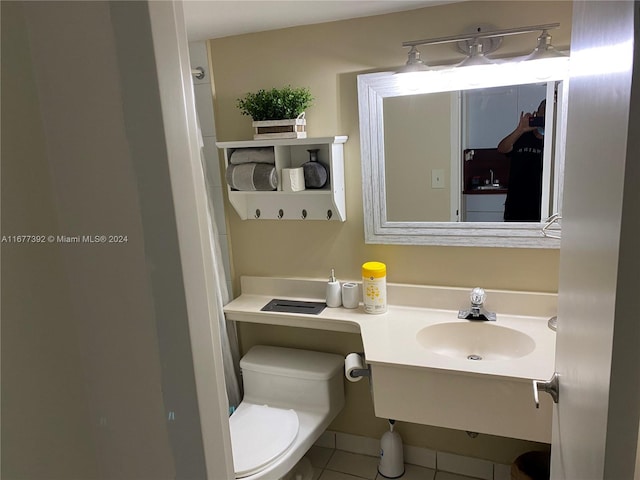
<point x="326" y="203"/>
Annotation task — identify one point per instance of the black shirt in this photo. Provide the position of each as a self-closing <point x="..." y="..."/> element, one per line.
<point x="525" y="180"/>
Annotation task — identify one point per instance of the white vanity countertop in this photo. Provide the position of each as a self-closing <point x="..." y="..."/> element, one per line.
<point x="390" y="338"/>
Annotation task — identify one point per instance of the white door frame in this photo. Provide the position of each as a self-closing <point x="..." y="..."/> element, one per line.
<point x="190" y="200"/>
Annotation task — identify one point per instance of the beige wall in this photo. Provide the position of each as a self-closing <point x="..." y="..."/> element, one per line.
<point x="327" y="58"/>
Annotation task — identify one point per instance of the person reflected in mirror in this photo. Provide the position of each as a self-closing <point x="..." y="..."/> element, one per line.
<point x="524" y="147"/>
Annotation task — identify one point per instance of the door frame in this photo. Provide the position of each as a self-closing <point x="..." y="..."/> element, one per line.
<point x="194" y="236"/>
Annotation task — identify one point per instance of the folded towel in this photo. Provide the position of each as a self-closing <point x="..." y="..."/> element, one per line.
<point x="252" y="155"/>
<point x="252" y="176"/>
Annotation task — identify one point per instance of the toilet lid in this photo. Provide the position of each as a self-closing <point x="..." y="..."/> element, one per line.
<point x="259" y="435"/>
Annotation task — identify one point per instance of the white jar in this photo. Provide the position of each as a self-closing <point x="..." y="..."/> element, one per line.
<point x="374" y="287"/>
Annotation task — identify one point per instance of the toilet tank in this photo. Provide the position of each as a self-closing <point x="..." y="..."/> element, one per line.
<point x="292" y="378"/>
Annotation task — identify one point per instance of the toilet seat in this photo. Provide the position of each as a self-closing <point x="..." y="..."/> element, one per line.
<point x="260" y="435"/>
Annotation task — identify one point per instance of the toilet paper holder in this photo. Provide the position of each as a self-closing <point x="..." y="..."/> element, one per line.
<point x="361" y="372"/>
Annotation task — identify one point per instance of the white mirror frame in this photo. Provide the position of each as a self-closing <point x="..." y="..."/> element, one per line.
<point x="373" y="88"/>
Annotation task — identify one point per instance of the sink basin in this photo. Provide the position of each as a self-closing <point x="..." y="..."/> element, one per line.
<point x="475" y="341"/>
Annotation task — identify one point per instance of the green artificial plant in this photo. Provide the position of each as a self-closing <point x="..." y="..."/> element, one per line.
<point x="275" y="104"/>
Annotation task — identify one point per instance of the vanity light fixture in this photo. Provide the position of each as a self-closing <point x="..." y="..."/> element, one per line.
<point x="475" y="42"/>
<point x="545" y="63"/>
<point x="544" y="49"/>
<point x="414" y="63"/>
<point x="476" y="56"/>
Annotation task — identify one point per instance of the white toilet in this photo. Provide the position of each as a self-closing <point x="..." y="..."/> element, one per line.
<point x="290" y="398"/>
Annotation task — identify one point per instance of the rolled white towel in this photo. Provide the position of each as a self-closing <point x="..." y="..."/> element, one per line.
<point x="252" y="155"/>
<point x="252" y="176"/>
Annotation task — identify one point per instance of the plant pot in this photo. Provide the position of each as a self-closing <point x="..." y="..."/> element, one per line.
<point x="291" y="128"/>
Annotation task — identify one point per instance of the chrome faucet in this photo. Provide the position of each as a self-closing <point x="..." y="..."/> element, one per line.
<point x="491" y="173"/>
<point x="477" y="310"/>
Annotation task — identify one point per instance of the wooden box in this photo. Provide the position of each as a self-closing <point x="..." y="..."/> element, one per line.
<point x="292" y="128"/>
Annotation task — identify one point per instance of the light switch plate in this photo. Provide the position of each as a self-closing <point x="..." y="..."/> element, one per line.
<point x="437" y="178"/>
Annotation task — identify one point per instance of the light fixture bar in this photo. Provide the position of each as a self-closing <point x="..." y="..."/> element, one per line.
<point x="473" y="36"/>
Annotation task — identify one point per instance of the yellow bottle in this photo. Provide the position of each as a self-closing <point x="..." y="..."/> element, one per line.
<point x="374" y="287"/>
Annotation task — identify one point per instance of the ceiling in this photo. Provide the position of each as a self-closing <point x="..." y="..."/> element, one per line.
<point x="207" y="19"/>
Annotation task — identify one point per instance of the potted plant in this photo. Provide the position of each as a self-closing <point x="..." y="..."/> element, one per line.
<point x="277" y="113"/>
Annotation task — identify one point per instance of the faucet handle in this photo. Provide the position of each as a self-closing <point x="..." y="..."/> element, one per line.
<point x="478" y="296"/>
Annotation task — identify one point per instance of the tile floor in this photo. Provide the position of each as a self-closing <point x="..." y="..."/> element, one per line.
<point x="332" y="464"/>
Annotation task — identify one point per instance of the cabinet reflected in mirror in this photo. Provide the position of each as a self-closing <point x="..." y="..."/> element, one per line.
<point x="431" y="171"/>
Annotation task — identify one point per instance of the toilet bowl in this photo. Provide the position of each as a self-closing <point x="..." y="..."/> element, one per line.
<point x="290" y="398"/>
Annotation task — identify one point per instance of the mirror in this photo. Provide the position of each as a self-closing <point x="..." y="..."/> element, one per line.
<point x="429" y="156"/>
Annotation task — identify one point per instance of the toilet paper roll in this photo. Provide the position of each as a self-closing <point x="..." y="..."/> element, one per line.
<point x="352" y="362"/>
<point x="292" y="179"/>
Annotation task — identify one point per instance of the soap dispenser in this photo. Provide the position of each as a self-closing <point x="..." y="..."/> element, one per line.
<point x="334" y="293"/>
<point x="391" y="454"/>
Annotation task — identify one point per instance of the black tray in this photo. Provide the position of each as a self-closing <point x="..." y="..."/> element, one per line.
<point x="294" y="306"/>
